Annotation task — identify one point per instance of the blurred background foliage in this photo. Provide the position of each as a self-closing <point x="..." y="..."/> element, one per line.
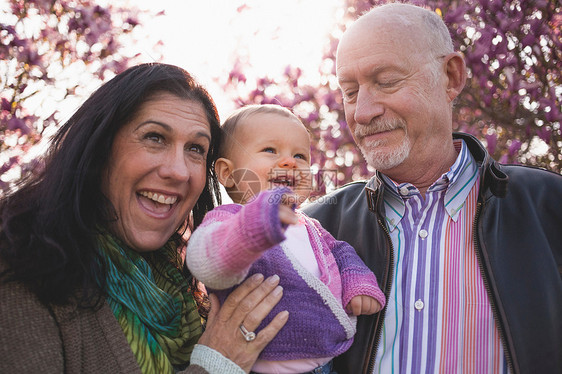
<point x="512" y="100"/>
<point x="51" y="50"/>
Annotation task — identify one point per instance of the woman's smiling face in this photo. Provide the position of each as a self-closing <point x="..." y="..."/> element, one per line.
<point x="157" y="170"/>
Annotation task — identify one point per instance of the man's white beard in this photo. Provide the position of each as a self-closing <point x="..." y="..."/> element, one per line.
<point x="377" y="158"/>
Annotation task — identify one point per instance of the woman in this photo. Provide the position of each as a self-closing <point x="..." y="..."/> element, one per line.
<point x="90" y="276"/>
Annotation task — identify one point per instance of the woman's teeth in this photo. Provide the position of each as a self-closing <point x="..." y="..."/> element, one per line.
<point x="159" y="198"/>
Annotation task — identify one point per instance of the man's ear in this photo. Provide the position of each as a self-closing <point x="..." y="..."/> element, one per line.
<point x="456" y="74"/>
<point x="224" y="169"/>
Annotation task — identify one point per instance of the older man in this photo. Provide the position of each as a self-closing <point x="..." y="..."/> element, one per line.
<point x="468" y="251"/>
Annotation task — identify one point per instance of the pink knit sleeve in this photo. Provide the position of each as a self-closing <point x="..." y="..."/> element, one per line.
<point x="231" y="237"/>
<point x="357" y="278"/>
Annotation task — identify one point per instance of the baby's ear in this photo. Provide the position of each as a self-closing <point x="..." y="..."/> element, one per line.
<point x="224" y="169"/>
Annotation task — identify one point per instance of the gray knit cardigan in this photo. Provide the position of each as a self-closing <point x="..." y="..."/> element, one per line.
<point x="38" y="339"/>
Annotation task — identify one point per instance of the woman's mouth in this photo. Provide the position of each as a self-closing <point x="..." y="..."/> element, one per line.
<point x="156" y="203"/>
<point x="159" y="198"/>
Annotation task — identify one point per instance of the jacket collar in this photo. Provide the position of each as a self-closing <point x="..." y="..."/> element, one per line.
<point x="492" y="179"/>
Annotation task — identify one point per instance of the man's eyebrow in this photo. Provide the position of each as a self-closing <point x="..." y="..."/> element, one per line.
<point x="345" y="80"/>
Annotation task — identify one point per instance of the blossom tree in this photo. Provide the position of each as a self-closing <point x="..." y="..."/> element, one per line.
<point x="51" y="50"/>
<point x="512" y="100"/>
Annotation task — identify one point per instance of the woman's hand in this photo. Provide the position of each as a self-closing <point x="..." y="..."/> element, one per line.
<point x="248" y="304"/>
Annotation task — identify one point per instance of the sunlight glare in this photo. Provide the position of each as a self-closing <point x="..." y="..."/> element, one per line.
<point x="207" y="37"/>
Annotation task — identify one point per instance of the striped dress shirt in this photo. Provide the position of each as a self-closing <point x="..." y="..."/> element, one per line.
<point x="438" y="318"/>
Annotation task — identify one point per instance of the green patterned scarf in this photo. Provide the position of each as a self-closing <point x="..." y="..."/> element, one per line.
<point x="152" y="304"/>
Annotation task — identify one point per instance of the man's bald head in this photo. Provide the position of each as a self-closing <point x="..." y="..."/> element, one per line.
<point x="419" y="30"/>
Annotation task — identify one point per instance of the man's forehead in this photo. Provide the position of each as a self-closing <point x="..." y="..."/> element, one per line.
<point x="385" y="22"/>
<point x="369" y="39"/>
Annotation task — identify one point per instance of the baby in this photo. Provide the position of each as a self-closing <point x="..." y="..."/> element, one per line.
<point x="264" y="165"/>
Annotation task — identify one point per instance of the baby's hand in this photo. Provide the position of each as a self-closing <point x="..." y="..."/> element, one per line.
<point x="287" y="214"/>
<point x="362" y="304"/>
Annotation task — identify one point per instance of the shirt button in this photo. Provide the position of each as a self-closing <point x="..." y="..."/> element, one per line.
<point x="418" y="305"/>
<point x="423" y="234"/>
<point x="404" y="191"/>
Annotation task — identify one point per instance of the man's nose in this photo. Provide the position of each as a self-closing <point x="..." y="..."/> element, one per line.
<point x="368" y="106"/>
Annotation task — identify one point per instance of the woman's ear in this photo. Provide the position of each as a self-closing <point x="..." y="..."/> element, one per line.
<point x="224" y="169"/>
<point x="456" y="74"/>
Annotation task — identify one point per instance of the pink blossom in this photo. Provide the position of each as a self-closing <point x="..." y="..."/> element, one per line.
<point x="514" y="147"/>
<point x="545" y="134"/>
<point x="492" y="141"/>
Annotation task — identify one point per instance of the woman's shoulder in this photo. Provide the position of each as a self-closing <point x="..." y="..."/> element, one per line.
<point x="29" y="338"/>
<point x="19" y="305"/>
<point x="35" y="337"/>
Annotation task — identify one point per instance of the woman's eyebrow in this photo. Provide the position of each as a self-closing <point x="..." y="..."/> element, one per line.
<point x="150" y="121"/>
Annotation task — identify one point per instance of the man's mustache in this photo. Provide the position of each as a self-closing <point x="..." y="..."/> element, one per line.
<point x="378" y="126"/>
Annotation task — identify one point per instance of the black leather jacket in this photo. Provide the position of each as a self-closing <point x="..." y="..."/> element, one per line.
<point x="519" y="247"/>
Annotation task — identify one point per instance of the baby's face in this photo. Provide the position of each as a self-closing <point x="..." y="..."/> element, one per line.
<point x="270" y="150"/>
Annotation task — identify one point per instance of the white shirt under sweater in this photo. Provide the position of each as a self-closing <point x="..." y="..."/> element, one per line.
<point x="298" y="243"/>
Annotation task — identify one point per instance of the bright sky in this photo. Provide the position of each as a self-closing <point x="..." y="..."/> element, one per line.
<point x="205" y="37"/>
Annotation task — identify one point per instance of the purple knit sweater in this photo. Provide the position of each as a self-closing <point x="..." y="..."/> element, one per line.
<point x="236" y="241"/>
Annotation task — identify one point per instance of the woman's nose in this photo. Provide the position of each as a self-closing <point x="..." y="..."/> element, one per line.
<point x="175" y="166"/>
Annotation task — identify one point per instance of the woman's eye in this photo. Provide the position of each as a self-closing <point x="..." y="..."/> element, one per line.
<point x="155" y="137"/>
<point x="268" y="150"/>
<point x="197" y="149"/>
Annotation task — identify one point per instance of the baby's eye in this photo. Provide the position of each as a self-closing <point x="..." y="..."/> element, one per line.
<point x="300" y="156"/>
<point x="268" y="150"/>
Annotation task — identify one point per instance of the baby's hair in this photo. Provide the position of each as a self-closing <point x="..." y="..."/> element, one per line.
<point x="229" y="126"/>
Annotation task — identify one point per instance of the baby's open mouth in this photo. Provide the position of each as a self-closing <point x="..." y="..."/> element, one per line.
<point x="283" y="181"/>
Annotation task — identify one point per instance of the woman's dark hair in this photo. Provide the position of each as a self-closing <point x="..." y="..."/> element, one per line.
<point x="48" y="225"/>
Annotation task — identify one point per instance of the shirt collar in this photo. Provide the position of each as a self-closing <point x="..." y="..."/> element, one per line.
<point x="458" y="181"/>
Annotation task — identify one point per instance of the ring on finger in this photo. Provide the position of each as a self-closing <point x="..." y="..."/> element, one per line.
<point x="248" y="335"/>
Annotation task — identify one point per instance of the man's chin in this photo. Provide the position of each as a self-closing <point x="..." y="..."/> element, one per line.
<point x="385" y="159"/>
